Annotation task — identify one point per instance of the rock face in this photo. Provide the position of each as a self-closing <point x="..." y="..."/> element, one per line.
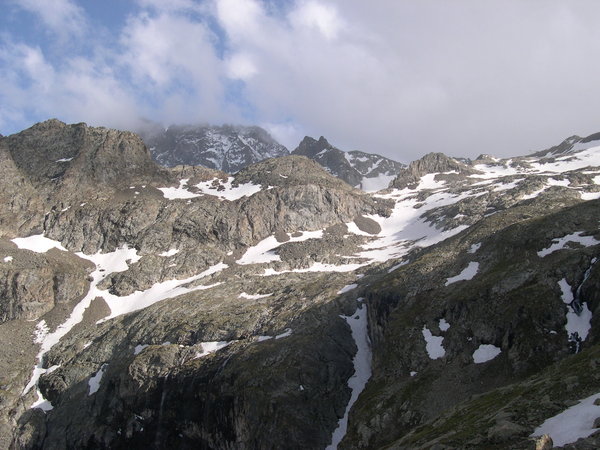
<point x="228" y="148"/>
<point x="33" y="284"/>
<point x="367" y="171"/>
<point x="189" y="308"/>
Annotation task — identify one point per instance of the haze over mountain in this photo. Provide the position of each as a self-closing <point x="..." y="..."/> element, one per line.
<point x="280" y="307"/>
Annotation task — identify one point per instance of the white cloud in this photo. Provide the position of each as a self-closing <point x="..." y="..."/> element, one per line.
<point x="401" y="78"/>
<point x="172" y="5"/>
<point x="173" y="59"/>
<point x="63" y="17"/>
<point x="288" y="134"/>
<point x="77" y="91"/>
<point x="241" y="66"/>
<point x="317" y="16"/>
<point x="241" y="18"/>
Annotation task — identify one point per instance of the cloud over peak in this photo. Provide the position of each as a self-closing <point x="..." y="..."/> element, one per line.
<point x="400" y="79"/>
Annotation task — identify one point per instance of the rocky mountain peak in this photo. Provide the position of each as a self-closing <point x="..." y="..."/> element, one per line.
<point x="229" y="148"/>
<point x="52" y="152"/>
<point x="367" y="171"/>
<point x="591" y="138"/>
<point x="430" y="163"/>
<point x="571" y="144"/>
<point x="311" y="147"/>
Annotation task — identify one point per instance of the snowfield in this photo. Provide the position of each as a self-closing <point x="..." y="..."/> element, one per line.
<point x="226" y="190"/>
<point x="572" y="424"/>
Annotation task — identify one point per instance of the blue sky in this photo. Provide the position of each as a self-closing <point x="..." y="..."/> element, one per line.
<point x="396" y="77"/>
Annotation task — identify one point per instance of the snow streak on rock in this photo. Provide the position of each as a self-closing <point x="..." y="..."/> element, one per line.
<point x="263" y="252"/>
<point x="362" y="368"/>
<point x="211" y="347"/>
<point x="105" y="264"/>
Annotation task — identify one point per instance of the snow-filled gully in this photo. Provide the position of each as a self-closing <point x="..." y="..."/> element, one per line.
<point x="362" y="368"/>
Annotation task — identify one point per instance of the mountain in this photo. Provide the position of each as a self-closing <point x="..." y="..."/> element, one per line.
<point x="229" y="148"/>
<point x="152" y="307"/>
<point x="367" y="171"/>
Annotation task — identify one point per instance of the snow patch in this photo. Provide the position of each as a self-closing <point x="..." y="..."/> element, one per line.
<point x="286" y="333"/>
<point x="567" y="294"/>
<point x="211" y="347"/>
<point x="40" y="332"/>
<point x="374" y="184"/>
<point x="138" y="348"/>
<point x="263" y="251"/>
<point x="8" y="259"/>
<point x="347" y="288"/>
<point x="559" y="243"/>
<point x="397" y="266"/>
<point x="94" y="382"/>
<point x="474" y="248"/>
<point x="485" y="352"/>
<point x="156" y="293"/>
<point x="229" y="192"/>
<point x="467" y="274"/>
<point x="590" y="196"/>
<point x="175" y="193"/>
<point x="170" y="252"/>
<point x="572" y="424"/>
<point x="444" y="326"/>
<point x="38" y="243"/>
<point x="254" y="296"/>
<point x="433" y="343"/>
<point x="578" y="325"/>
<point x="105" y="264"/>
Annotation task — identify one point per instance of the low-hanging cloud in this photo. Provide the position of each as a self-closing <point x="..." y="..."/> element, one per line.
<point x="400" y="78"/>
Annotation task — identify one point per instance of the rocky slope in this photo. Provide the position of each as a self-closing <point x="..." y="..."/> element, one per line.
<point x="228" y="148"/>
<point x="282" y="308"/>
<point x="367" y="171"/>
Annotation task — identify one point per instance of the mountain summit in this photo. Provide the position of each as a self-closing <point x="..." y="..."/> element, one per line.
<point x="366" y="171"/>
<point x="229" y="148"/>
